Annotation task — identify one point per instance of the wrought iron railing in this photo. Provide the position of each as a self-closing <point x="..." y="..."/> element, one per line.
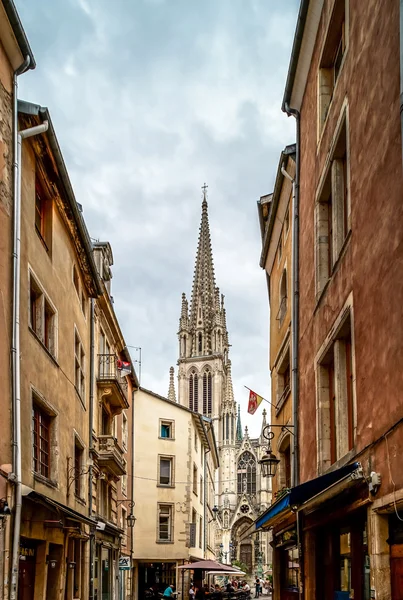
<point x="110" y="368"/>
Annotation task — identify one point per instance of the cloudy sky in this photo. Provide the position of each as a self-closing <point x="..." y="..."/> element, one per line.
<point x="150" y="99"/>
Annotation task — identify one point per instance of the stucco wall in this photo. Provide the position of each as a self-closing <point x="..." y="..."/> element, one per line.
<point x="373" y="260"/>
<point x="53" y="379"/>
<point x="149" y="409"/>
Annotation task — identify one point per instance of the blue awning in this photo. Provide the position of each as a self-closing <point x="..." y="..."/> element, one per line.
<point x="300" y="494"/>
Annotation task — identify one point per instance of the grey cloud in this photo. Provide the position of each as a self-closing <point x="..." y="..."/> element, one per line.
<point x="150" y="99"/>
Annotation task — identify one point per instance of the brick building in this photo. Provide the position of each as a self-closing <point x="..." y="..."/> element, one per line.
<point x="343" y="89"/>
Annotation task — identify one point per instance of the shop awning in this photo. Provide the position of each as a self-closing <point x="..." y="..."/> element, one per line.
<point x="69" y="512"/>
<point x="298" y="497"/>
<point x="209" y="565"/>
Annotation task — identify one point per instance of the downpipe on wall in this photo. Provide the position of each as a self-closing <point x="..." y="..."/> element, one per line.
<point x="15" y="350"/>
<point x="295" y="318"/>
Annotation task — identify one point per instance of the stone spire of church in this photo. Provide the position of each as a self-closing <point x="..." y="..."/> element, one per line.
<point x="239" y="436"/>
<point x="202" y="328"/>
<point x="171" y="390"/>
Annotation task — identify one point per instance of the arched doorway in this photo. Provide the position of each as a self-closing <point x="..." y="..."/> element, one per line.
<point x="243" y="550"/>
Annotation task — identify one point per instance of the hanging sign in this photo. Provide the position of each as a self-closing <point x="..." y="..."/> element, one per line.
<point x="124" y="563"/>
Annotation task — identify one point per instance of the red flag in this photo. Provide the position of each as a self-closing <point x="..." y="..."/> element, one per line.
<point x="254" y="402"/>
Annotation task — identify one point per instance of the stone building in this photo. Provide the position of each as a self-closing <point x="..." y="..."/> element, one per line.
<point x="176" y="458"/>
<point x="343" y="89"/>
<point x="205" y="386"/>
<point x="75" y="502"/>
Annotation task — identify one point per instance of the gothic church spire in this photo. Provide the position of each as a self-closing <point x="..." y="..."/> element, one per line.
<point x="203" y="291"/>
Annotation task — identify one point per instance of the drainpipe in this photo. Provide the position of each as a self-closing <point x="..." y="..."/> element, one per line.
<point x="401" y="70"/>
<point x="295" y="318"/>
<point x="90" y="444"/>
<point x="294" y="321"/>
<point x="132" y="497"/>
<point x="15" y="350"/>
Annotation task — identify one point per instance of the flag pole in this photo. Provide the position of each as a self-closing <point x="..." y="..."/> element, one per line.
<point x="271" y="403"/>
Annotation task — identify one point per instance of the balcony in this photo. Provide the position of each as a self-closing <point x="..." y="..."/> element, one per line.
<point x="110" y="455"/>
<point x="112" y="382"/>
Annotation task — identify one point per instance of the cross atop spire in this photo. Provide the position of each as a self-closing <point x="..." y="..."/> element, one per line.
<point x="205" y="188"/>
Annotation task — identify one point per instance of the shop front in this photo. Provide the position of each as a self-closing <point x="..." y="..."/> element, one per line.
<point x="320" y="538"/>
<point x="106" y="563"/>
<point x="53" y="550"/>
<point x="155" y="576"/>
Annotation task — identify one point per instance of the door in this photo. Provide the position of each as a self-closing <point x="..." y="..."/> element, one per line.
<point x="396" y="571"/>
<point x="246" y="555"/>
<point x="26" y="580"/>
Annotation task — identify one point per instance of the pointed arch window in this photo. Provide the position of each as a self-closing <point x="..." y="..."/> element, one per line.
<point x="232" y="429"/>
<point x="194" y="392"/>
<point x="247" y="474"/>
<point x="227" y="428"/>
<point x="200" y="343"/>
<point x="207" y="394"/>
<point x="191" y="392"/>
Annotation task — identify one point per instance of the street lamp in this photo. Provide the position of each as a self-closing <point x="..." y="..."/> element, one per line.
<point x="269" y="461"/>
<point x="130" y="519"/>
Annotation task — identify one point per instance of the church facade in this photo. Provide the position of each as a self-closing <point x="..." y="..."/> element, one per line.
<point x="205" y="386"/>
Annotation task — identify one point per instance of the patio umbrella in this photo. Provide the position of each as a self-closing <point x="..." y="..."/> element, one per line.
<point x="209" y="565"/>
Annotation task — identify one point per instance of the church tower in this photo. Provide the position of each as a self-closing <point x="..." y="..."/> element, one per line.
<point x="204" y="369"/>
<point x="205" y="386"/>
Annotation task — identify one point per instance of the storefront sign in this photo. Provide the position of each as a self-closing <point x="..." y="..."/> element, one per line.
<point x="124" y="563"/>
<point x="27" y="553"/>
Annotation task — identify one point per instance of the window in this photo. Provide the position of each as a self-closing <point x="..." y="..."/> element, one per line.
<point x="284" y="480"/>
<point x="280" y="249"/>
<point x="287" y="221"/>
<point x="125" y="434"/>
<point x="41" y="423"/>
<point x="76" y="280"/>
<point x="195" y="479"/>
<point x="332" y="211"/>
<point x="332" y="57"/>
<point x="123" y="526"/>
<point x="166" y="430"/>
<point x="200" y="344"/>
<point x="282" y="309"/>
<point x="105" y="499"/>
<point x="201" y="490"/>
<point x="124" y="482"/>
<point x="165" y="523"/>
<point x="83" y="304"/>
<point x="194" y="392"/>
<point x="165" y="477"/>
<point x="200" y="532"/>
<point x="283" y="380"/>
<point x="335" y="397"/>
<point x="43" y="216"/>
<point x="196" y="446"/>
<point x="78" y="465"/>
<point x="79" y="362"/>
<point x="42" y="316"/>
<point x="247" y="474"/>
<point x="207" y="393"/>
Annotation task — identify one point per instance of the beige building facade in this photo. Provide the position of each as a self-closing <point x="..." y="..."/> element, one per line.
<point x="176" y="458"/>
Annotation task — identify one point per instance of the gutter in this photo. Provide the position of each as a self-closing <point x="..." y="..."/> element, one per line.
<point x="19" y="32"/>
<point x="296" y="47"/>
